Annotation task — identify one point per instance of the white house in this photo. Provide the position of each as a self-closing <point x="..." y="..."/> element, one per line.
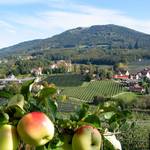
<point x="54" y="66"/>
<point x="145" y="73"/>
<point x="37" y="71"/>
<point x="123" y="72"/>
<point x="134" y="76"/>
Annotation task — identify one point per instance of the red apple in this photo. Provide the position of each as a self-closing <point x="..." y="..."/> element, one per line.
<point x="9" y="139"/>
<point x="86" y="138"/>
<point x="35" y="128"/>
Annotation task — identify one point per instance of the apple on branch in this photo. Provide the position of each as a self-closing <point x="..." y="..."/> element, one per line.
<point x="9" y="139"/>
<point x="35" y="128"/>
<point x="86" y="138"/>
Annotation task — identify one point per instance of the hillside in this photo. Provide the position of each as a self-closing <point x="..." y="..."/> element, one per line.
<point x="103" y="36"/>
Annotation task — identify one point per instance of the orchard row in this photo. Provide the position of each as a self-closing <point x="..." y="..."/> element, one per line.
<point x="105" y="88"/>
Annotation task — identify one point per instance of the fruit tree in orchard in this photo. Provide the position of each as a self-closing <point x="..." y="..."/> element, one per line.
<point x="30" y="119"/>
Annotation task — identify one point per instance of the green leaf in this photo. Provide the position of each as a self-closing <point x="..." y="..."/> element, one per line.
<point x="17" y="100"/>
<point x="18" y="112"/>
<point x="114" y="126"/>
<point x="25" y="89"/>
<point x="74" y="117"/>
<point x="126" y="113"/>
<point x="82" y="112"/>
<point x="107" y="145"/>
<point x="15" y="106"/>
<point x="114" y="118"/>
<point x="41" y="148"/>
<point x="94" y="120"/>
<point x="5" y="94"/>
<point x="110" y="104"/>
<point x="46" y="92"/>
<point x="108" y="115"/>
<point x="4" y="118"/>
<point x="52" y="108"/>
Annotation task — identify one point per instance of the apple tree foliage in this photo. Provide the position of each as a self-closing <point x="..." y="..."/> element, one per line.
<point x="108" y="116"/>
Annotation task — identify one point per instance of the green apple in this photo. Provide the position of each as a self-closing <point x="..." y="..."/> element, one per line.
<point x="9" y="139"/>
<point x="86" y="138"/>
<point x="35" y="128"/>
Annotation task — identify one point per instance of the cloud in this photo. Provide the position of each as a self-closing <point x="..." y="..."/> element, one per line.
<point x="15" y="2"/>
<point x="5" y="24"/>
<point x="81" y="16"/>
<point x="60" y="17"/>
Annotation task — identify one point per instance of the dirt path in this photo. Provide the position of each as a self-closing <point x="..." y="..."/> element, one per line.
<point x="120" y="94"/>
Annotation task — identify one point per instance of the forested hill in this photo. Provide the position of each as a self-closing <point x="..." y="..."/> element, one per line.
<point x="109" y="36"/>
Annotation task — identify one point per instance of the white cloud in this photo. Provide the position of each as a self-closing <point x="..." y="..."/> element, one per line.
<point x="83" y="16"/>
<point x="20" y="2"/>
<point x="14" y="2"/>
<point x="5" y="24"/>
<point x="49" y="22"/>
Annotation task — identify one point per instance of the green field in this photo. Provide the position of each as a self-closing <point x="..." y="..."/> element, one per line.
<point x="126" y="97"/>
<point x="106" y="88"/>
<point x="73" y="86"/>
<point x="65" y="80"/>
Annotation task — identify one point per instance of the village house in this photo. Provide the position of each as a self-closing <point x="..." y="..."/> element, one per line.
<point x="62" y="63"/>
<point x="37" y="71"/>
<point x="54" y="66"/>
<point x="137" y="88"/>
<point x="122" y="74"/>
<point x="12" y="76"/>
<point x="143" y="73"/>
<point x="146" y="73"/>
<point x="28" y="57"/>
<point x="134" y="76"/>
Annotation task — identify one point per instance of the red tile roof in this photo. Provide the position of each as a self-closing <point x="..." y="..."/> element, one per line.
<point x="121" y="77"/>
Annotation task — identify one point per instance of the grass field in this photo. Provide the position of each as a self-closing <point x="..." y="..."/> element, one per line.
<point x="126" y="97"/>
<point x="65" y="80"/>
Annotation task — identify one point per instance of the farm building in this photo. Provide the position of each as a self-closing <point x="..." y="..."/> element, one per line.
<point x="137" y="88"/>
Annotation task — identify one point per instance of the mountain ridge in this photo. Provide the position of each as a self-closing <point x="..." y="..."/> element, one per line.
<point x="108" y="36"/>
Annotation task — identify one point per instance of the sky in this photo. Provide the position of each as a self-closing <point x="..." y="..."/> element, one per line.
<point x="23" y="20"/>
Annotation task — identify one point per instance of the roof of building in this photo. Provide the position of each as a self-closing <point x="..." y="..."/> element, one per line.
<point x="121" y="77"/>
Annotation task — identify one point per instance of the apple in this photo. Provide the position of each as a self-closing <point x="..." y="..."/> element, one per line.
<point x="86" y="137"/>
<point x="9" y="139"/>
<point x="35" y="128"/>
